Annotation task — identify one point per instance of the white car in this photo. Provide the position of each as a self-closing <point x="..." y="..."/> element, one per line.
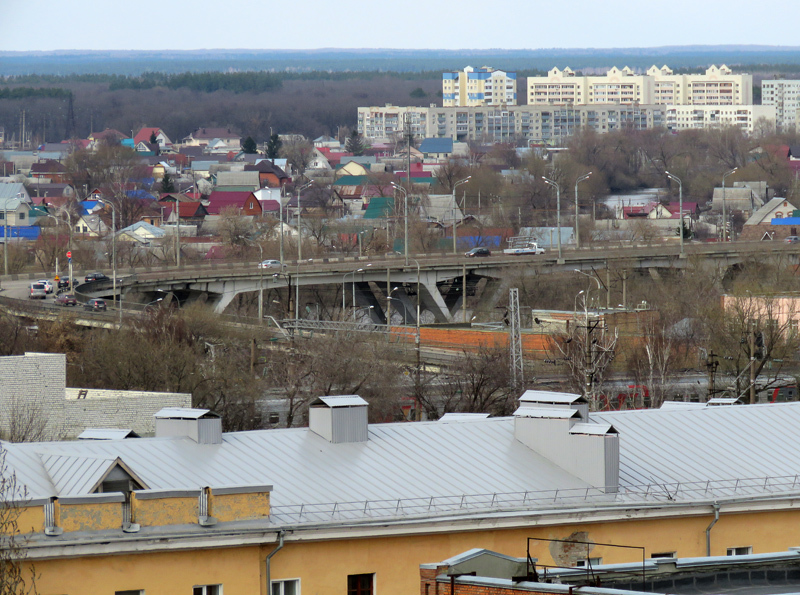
<point x="270" y="264"/>
<point x="47" y="284"/>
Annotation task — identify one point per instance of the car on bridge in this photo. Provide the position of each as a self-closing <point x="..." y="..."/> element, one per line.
<point x="270" y="264"/>
<point x="37" y="291"/>
<point x="96" y="305"/>
<point x="478" y="251"/>
<point x="94" y="277"/>
<point x="66" y="299"/>
<point x="48" y="286"/>
<point x="792" y="240"/>
<point x="64" y="282"/>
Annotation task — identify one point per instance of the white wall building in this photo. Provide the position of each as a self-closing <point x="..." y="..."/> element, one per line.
<point x="785" y="97"/>
<point x="479" y="86"/>
<point x="388" y="124"/>
<point x="746" y="117"/>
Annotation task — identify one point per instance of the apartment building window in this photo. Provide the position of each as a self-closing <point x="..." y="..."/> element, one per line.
<point x="360" y="584"/>
<point x="740" y="551"/>
<point x="130" y="592"/>
<point x="207" y="590"/>
<point x="664" y="555"/>
<point x="589" y="562"/>
<point x="287" y="587"/>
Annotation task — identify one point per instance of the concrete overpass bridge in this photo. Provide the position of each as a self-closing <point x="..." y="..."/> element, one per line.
<point x="438" y="284"/>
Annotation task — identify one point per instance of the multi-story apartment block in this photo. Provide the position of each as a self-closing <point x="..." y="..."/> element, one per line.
<point x="718" y="86"/>
<point x="746" y="117"/>
<point x="785" y="97"/>
<point x="389" y="123"/>
<point x="479" y="86"/>
<point x="538" y="123"/>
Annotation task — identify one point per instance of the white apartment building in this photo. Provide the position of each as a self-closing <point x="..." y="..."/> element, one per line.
<point x="388" y="124"/>
<point x="718" y="86"/>
<point x="746" y="117"/>
<point x="479" y="86"/>
<point x="538" y="123"/>
<point x="785" y="97"/>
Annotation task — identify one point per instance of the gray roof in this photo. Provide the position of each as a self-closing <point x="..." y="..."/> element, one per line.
<point x="106" y="434"/>
<point x="764" y="214"/>
<point x="659" y="446"/>
<point x="239" y="178"/>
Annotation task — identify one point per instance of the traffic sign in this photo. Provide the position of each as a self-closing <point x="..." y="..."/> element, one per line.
<point x="69" y="254"/>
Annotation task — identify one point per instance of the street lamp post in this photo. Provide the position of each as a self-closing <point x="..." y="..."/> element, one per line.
<point x="675" y="178"/>
<point x="299" y="233"/>
<point x="405" y="217"/>
<point x="455" y="237"/>
<point x="297" y="293"/>
<point x="260" y="282"/>
<point x="344" y="288"/>
<point x="577" y="228"/>
<point x="558" y="210"/>
<point x="113" y="249"/>
<point x="724" y="218"/>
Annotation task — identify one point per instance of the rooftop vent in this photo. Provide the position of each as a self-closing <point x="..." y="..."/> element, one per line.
<point x="557" y="426"/>
<point x="339" y="419"/>
<point x="201" y="425"/>
<point x="107" y="434"/>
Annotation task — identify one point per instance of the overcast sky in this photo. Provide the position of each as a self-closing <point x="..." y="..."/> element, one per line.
<point x="415" y="24"/>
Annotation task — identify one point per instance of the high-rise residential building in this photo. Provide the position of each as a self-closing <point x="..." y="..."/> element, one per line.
<point x="785" y="97"/>
<point x="718" y="86"/>
<point x="747" y="117"/>
<point x="390" y="122"/>
<point x="479" y="86"/>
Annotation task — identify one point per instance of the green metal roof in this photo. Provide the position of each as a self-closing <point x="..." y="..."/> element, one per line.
<point x="380" y="207"/>
<point x="351" y="181"/>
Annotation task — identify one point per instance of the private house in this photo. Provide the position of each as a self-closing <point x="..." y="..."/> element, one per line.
<point x="145" y="134"/>
<point x="352" y="168"/>
<point x="245" y="512"/>
<point x="109" y="135"/>
<point x="207" y="136"/>
<point x="774" y="220"/>
<point x="141" y="232"/>
<point x="437" y="149"/>
<point x="238" y="180"/>
<point x="245" y="202"/>
<point x="15" y="205"/>
<point x="190" y="212"/>
<point x="269" y="174"/>
<point x="49" y="171"/>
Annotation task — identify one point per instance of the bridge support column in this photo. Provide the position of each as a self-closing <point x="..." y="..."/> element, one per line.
<point x="432" y="299"/>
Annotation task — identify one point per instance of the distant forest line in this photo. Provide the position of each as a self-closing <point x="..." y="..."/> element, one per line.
<point x="256" y="102"/>
<point x="136" y="63"/>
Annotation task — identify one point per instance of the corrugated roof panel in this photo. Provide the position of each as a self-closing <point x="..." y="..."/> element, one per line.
<point x="74" y="475"/>
<point x="106" y="434"/>
<point x="181" y="413"/>
<point x="548" y="396"/>
<point x="544" y="412"/>
<point x="462" y="417"/>
<point x="340" y="401"/>
<point x="593" y="429"/>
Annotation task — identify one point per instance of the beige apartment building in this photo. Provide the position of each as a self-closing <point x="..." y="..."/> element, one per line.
<point x="479" y="86"/>
<point x="718" y="86"/>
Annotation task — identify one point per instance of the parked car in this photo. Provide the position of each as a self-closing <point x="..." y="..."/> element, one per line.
<point x="66" y="299"/>
<point x="37" y="291"/>
<point x="270" y="264"/>
<point x="48" y="286"/>
<point x="95" y="305"/>
<point x="792" y="240"/>
<point x="94" y="277"/>
<point x="478" y="251"/>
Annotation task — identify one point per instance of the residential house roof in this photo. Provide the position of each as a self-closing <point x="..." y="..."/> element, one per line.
<point x="436" y="145"/>
<point x="770" y="211"/>
<point x="48" y="167"/>
<point x="219" y="200"/>
<point x="380" y="207"/>
<point x="144" y="229"/>
<point x="239" y="178"/>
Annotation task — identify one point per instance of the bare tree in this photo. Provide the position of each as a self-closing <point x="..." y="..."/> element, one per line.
<point x="16" y="577"/>
<point x="479" y="383"/>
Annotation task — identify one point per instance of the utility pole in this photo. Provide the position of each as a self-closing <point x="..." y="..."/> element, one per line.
<point x="752" y="344"/>
<point x="515" y="339"/>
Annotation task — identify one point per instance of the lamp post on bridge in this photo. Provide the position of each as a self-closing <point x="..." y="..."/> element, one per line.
<point x="555" y="185"/>
<point x="724" y="217"/>
<point x="405" y="217"/>
<point x="455" y="237"/>
<point x="577" y="229"/>
<point x="675" y="178"/>
<point x="299" y="232"/>
<point x="113" y="250"/>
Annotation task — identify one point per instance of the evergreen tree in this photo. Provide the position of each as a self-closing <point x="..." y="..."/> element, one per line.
<point x="273" y="147"/>
<point x="167" y="185"/>
<point x="355" y="144"/>
<point x="153" y="139"/>
<point x="249" y="146"/>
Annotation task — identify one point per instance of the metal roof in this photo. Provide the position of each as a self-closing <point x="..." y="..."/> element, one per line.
<point x="593" y="429"/>
<point x="184" y="413"/>
<point x="462" y="417"/>
<point x="545" y="413"/>
<point x="340" y="401"/>
<point x="107" y="434"/>
<point x="548" y="396"/>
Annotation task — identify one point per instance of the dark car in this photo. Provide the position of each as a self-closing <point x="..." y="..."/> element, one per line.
<point x="64" y="282"/>
<point x="95" y="305"/>
<point x="478" y="251"/>
<point x="94" y="277"/>
<point x="66" y="299"/>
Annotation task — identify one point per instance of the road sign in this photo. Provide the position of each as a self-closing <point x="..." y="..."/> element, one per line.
<point x="69" y="254"/>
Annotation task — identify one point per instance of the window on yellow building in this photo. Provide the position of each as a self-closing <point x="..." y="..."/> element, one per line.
<point x="360" y="584"/>
<point x="740" y="551"/>
<point x="130" y="592"/>
<point x="207" y="590"/>
<point x="287" y="587"/>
